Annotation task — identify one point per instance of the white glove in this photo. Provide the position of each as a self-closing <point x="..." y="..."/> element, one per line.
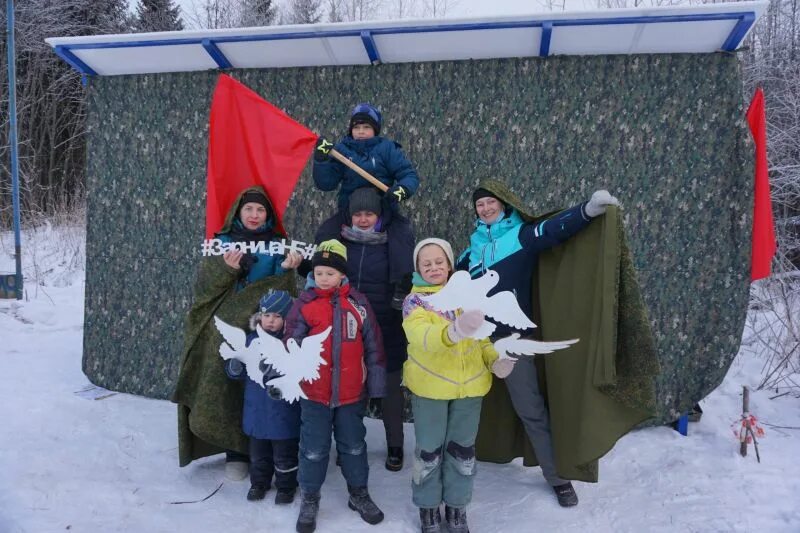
<point x="465" y="325"/>
<point x="598" y="203"/>
<point x="502" y="367"/>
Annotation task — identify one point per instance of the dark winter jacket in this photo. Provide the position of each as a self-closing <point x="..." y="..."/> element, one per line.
<point x="379" y="156"/>
<point x="356" y="364"/>
<point x="369" y="269"/>
<point x="262" y="416"/>
<point x="510" y="246"/>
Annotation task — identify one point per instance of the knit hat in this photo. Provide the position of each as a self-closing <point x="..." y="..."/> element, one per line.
<point x="255" y="197"/>
<point x="441" y="243"/>
<point x="275" y="302"/>
<point x="365" y="113"/>
<point x="365" y="199"/>
<point x="331" y="253"/>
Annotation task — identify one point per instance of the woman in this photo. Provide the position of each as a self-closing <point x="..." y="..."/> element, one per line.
<point x="229" y="286"/>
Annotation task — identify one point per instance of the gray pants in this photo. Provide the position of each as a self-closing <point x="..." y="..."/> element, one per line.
<point x="528" y="402"/>
<point x="393" y="405"/>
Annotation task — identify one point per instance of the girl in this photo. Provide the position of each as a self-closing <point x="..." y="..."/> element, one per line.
<point x="448" y="373"/>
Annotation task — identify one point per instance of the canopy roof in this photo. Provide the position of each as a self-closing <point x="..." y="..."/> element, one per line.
<point x="659" y="30"/>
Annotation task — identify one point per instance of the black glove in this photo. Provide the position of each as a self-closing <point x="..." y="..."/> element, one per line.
<point x="375" y="406"/>
<point x="274" y="393"/>
<point x="397" y="194"/>
<point x="323" y="148"/>
<point x="246" y="263"/>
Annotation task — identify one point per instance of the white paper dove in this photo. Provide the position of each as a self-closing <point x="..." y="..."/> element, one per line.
<point x="463" y="292"/>
<point x="299" y="363"/>
<point x="511" y="346"/>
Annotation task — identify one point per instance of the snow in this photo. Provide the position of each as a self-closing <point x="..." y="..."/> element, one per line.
<point x="70" y="463"/>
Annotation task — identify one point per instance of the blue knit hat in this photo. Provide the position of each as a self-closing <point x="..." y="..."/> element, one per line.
<point x="275" y="302"/>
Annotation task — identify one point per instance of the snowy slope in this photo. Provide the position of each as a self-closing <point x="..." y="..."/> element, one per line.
<point x="83" y="465"/>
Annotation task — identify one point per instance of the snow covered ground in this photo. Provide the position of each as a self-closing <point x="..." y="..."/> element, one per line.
<point x="73" y="464"/>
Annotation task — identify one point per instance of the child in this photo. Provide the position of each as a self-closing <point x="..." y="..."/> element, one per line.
<point x="272" y="424"/>
<point x="448" y="373"/>
<point x="381" y="157"/>
<point x="337" y="400"/>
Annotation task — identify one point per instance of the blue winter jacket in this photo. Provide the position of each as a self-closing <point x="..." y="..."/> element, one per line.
<point x="263" y="417"/>
<point x="379" y="156"/>
<point x="510" y="247"/>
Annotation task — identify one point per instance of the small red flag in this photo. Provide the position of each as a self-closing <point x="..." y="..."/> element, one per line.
<point x="763" y="239"/>
<point x="251" y="142"/>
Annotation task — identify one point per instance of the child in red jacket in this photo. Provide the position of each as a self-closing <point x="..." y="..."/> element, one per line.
<point x="355" y="371"/>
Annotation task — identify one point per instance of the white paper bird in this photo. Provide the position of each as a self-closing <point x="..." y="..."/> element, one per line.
<point x="511" y="346"/>
<point x="299" y="363"/>
<point x="235" y="347"/>
<point x="463" y="292"/>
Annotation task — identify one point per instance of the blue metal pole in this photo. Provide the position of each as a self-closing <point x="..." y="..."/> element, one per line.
<point x="12" y="138"/>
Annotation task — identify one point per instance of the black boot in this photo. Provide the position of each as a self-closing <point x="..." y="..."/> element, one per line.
<point x="394" y="459"/>
<point x="284" y="496"/>
<point x="361" y="502"/>
<point x="456" y="519"/>
<point x="430" y="520"/>
<point x="566" y="495"/>
<point x="309" y="507"/>
<point x="257" y="492"/>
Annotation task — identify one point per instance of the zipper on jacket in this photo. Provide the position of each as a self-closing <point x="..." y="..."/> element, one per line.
<point x="360" y="263"/>
<point x="336" y="346"/>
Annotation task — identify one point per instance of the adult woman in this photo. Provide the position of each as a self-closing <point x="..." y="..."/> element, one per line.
<point x="228" y="286"/>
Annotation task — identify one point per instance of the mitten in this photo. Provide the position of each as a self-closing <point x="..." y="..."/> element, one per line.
<point x="322" y="149"/>
<point x="502" y="367"/>
<point x="598" y="203"/>
<point x="465" y="325"/>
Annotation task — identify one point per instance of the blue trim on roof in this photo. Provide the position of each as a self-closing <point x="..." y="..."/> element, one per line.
<point x="744" y="20"/>
<point x="369" y="45"/>
<point x="66" y="54"/>
<point x="738" y="32"/>
<point x="547" y="35"/>
<point x="216" y="54"/>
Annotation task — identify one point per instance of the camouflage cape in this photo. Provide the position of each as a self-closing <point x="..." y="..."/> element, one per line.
<point x="603" y="386"/>
<point x="210" y="404"/>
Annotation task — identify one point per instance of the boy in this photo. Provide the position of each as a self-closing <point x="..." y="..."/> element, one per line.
<point x="363" y="145"/>
<point x="272" y="424"/>
<point x="337" y="399"/>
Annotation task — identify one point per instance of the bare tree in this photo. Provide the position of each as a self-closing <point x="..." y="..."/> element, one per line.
<point x="257" y="13"/>
<point x="303" y="12"/>
<point x="213" y="14"/>
<point x="438" y="8"/>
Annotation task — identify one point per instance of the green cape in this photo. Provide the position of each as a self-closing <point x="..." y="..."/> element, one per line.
<point x="210" y="404"/>
<point x="600" y="388"/>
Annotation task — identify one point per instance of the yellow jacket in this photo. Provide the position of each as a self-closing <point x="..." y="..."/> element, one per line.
<point x="436" y="368"/>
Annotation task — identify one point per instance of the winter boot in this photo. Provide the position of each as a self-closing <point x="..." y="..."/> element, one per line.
<point x="309" y="507"/>
<point x="456" y="519"/>
<point x="257" y="492"/>
<point x="284" y="496"/>
<point x="394" y="459"/>
<point x="236" y="470"/>
<point x="361" y="502"/>
<point x="430" y="520"/>
<point x="566" y="495"/>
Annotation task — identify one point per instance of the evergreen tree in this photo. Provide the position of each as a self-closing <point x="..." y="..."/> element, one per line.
<point x="258" y="13"/>
<point x="304" y="12"/>
<point x="158" y="15"/>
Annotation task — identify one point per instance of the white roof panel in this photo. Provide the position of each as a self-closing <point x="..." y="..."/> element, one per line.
<point x="703" y="28"/>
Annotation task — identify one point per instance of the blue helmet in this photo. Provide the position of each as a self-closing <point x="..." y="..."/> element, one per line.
<point x="365" y="113"/>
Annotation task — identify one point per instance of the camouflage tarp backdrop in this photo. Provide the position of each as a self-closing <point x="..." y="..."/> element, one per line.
<point x="665" y="133"/>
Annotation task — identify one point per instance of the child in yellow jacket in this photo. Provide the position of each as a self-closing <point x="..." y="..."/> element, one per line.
<point x="448" y="373"/>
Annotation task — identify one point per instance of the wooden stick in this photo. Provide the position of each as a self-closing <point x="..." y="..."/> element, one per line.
<point x="358" y="170"/>
<point x="745" y="420"/>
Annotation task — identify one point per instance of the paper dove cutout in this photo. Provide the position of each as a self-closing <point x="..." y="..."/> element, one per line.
<point x="463" y="292"/>
<point x="512" y="345"/>
<point x="299" y="363"/>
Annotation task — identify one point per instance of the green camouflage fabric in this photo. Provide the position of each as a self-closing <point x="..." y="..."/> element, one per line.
<point x="664" y="133"/>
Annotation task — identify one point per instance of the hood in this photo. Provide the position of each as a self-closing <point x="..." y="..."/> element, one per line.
<point x="234" y="208"/>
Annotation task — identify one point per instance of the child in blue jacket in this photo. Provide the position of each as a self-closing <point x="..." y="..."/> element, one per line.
<point x="272" y="424"/>
<point x="381" y="157"/>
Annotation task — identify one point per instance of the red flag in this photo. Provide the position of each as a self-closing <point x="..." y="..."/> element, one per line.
<point x="251" y="142"/>
<point x="763" y="239"/>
